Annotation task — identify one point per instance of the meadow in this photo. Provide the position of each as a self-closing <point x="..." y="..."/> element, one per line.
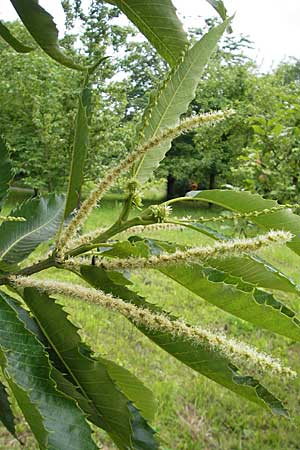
<point x="193" y="413"/>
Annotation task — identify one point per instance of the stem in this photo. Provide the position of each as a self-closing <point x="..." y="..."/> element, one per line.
<point x="38" y="267"/>
<point x="116" y="228"/>
<point x="35" y="268"/>
<point x="126" y="209"/>
<point x="192" y="227"/>
<point x="183" y="199"/>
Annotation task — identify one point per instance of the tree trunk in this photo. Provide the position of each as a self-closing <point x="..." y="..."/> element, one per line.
<point x="212" y="183"/>
<point x="170" y="187"/>
<point x="212" y="180"/>
<point x="295" y="180"/>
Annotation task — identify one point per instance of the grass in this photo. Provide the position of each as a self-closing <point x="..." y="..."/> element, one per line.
<point x="193" y="412"/>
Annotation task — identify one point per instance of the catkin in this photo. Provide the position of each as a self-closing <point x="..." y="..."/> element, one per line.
<point x="237" y="352"/>
<point x="248" y="215"/>
<point x="90" y="237"/>
<point x="12" y="219"/>
<point x="97" y="193"/>
<point x="194" y="254"/>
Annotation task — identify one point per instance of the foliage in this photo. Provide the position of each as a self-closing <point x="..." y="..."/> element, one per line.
<point x="202" y="158"/>
<point x="45" y="122"/>
<point x="270" y="159"/>
<point x="251" y="149"/>
<point x="37" y="116"/>
<point x="59" y="384"/>
<point x="41" y="26"/>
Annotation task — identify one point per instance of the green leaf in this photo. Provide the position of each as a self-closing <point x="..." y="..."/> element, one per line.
<point x="219" y="7"/>
<point x="255" y="270"/>
<point x="158" y="21"/>
<point x="230" y="293"/>
<point x="259" y="130"/>
<point x="55" y="420"/>
<point x="80" y="148"/>
<point x="71" y="390"/>
<point x="111" y="409"/>
<point x="199" y="357"/>
<point x="12" y="41"/>
<point x="132" y="387"/>
<point x="5" y="171"/>
<point x="68" y="388"/>
<point x="42" y="28"/>
<point x="245" y="202"/>
<point x="19" y="239"/>
<point x="173" y="99"/>
<point x="6" y="414"/>
<point x="240" y="299"/>
<point x="221" y="289"/>
<point x="204" y="229"/>
<point x="29" y="410"/>
<point x="250" y="268"/>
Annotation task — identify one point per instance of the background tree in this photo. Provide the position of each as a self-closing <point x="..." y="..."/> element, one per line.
<point x="46" y="120"/>
<point x="247" y="150"/>
<point x="269" y="163"/>
<point x="203" y="157"/>
<point x="37" y="114"/>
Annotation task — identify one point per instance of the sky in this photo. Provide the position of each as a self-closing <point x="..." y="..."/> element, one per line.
<point x="273" y="25"/>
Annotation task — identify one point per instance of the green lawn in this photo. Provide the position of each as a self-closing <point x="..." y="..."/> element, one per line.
<point x="193" y="413"/>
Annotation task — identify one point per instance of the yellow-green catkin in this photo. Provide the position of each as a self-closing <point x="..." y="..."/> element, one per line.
<point x="153" y="227"/>
<point x="126" y="164"/>
<point x="12" y="219"/>
<point x="237" y="352"/>
<point x="85" y="239"/>
<point x="90" y="237"/>
<point x="249" y="215"/>
<point x="194" y="254"/>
